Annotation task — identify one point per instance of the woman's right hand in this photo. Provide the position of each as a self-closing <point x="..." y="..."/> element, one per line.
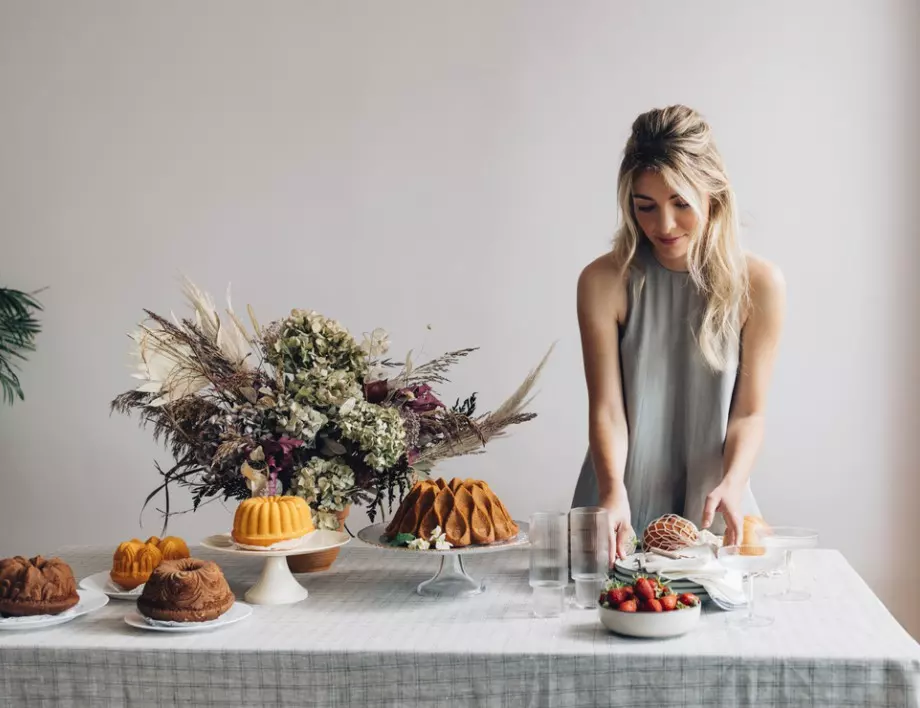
<point x="619" y="525"/>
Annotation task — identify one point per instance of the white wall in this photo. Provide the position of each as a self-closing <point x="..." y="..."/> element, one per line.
<point x="400" y="164"/>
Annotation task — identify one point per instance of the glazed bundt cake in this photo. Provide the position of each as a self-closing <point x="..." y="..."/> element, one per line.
<point x="172" y="547"/>
<point x="133" y="562"/>
<point x="36" y="586"/>
<point x="263" y="521"/>
<point x="186" y="590"/>
<point x="467" y="511"/>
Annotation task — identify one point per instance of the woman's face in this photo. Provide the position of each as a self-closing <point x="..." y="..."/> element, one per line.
<point x="665" y="219"/>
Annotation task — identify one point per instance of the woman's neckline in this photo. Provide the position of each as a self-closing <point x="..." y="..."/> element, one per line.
<point x="650" y="249"/>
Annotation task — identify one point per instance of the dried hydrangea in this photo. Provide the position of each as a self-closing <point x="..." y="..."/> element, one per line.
<point x="327" y="486"/>
<point x="378" y="431"/>
<point x="307" y="339"/>
<point x="298" y="419"/>
<point x="324" y="387"/>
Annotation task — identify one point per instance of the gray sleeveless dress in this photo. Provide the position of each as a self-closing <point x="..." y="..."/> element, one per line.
<point x="676" y="406"/>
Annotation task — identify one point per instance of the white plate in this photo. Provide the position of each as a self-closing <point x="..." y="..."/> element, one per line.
<point x="650" y="625"/>
<point x="683" y="585"/>
<point x="102" y="582"/>
<point x="90" y="601"/>
<point x="374" y="536"/>
<point x="313" y="542"/>
<point x="238" y="611"/>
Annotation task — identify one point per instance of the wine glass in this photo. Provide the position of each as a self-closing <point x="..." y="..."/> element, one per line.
<point x="750" y="561"/>
<point x="788" y="539"/>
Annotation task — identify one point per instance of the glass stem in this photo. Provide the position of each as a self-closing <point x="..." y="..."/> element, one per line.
<point x="790" y="584"/>
<point x="750" y="593"/>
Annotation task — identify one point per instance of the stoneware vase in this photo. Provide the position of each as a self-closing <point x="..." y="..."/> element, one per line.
<point x="318" y="562"/>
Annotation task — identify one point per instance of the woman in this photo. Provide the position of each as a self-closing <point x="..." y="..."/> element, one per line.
<point x="679" y="333"/>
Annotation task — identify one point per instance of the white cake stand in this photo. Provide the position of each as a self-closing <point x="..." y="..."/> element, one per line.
<point x="451" y="580"/>
<point x="276" y="584"/>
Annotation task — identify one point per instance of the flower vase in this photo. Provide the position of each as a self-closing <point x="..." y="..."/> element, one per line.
<point x="318" y="562"/>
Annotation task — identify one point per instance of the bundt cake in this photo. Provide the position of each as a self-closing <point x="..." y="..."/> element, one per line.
<point x="467" y="511"/>
<point x="186" y="590"/>
<point x="36" y="586"/>
<point x="172" y="547"/>
<point x="133" y="562"/>
<point x="264" y="521"/>
<point x="670" y="533"/>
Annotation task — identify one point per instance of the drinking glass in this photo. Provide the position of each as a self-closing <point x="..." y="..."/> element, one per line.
<point x="549" y="561"/>
<point x="788" y="539"/>
<point x="751" y="561"/>
<point x="589" y="548"/>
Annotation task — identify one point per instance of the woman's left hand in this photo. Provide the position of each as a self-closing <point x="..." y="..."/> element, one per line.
<point x="726" y="499"/>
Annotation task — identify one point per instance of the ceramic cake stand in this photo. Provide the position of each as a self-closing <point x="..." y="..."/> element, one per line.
<point x="276" y="584"/>
<point x="451" y="580"/>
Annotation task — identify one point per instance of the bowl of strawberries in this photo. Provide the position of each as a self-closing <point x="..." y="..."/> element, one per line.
<point x="647" y="608"/>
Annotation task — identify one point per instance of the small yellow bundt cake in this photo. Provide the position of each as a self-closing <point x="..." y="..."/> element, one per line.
<point x="467" y="511"/>
<point x="263" y="521"/>
<point x="133" y="562"/>
<point x="172" y="547"/>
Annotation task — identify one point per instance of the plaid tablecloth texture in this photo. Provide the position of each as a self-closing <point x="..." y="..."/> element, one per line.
<point x="364" y="638"/>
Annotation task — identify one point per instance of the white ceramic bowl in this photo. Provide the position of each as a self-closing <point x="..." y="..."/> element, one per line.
<point x="651" y="625"/>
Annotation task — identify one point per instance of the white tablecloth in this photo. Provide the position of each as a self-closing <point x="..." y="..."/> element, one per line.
<point x="364" y="638"/>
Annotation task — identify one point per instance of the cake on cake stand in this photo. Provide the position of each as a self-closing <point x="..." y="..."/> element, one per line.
<point x="451" y="580"/>
<point x="277" y="585"/>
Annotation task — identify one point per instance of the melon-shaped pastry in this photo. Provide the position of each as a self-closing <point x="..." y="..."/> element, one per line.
<point x="264" y="521"/>
<point x="133" y="562"/>
<point x="670" y="533"/>
<point x="172" y="547"/>
<point x="467" y="511"/>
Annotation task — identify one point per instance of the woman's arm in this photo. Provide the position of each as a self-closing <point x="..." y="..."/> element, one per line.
<point x="759" y="342"/>
<point x="601" y="307"/>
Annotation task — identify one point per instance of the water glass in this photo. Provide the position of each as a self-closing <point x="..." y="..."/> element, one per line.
<point x="590" y="556"/>
<point x="549" y="562"/>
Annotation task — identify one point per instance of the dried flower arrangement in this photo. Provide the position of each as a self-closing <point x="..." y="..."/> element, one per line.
<point x="298" y="407"/>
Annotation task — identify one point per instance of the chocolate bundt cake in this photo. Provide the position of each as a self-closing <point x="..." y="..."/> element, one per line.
<point x="467" y="511"/>
<point x="186" y="590"/>
<point x="36" y="586"/>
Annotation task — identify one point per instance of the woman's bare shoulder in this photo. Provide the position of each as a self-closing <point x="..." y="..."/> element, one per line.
<point x="767" y="282"/>
<point x="602" y="286"/>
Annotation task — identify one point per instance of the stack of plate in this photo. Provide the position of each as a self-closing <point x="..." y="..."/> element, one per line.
<point x="628" y="569"/>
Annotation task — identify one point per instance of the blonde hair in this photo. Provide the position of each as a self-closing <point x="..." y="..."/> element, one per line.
<point x="677" y="143"/>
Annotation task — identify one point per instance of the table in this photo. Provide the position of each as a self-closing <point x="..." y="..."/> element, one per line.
<point x="364" y="638"/>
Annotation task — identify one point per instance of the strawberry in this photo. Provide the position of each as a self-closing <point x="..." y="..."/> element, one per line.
<point x="668" y="602"/>
<point x="617" y="595"/>
<point x="644" y="589"/>
<point x="689" y="599"/>
<point x="653" y="582"/>
<point x="602" y="600"/>
<point x="653" y="605"/>
<point x="627" y="606"/>
<point x="630" y="591"/>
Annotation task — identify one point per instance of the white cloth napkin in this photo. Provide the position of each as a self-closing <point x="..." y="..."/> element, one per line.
<point x="701" y="568"/>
